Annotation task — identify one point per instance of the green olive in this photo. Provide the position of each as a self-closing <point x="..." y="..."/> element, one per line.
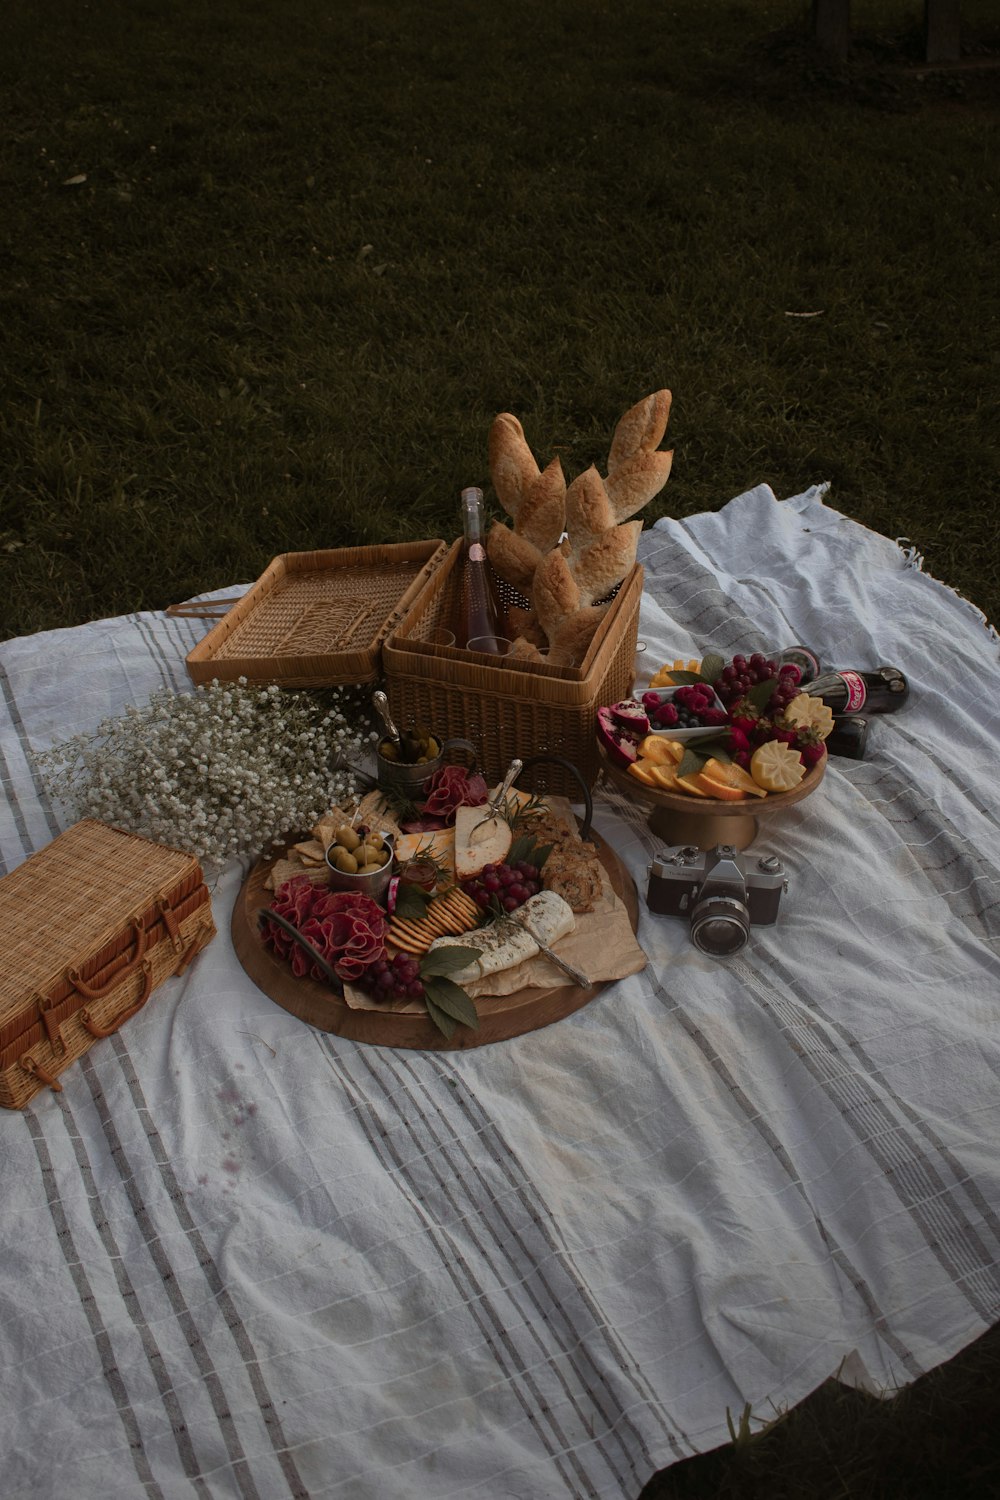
<point x="389" y="750"/>
<point x="344" y="861"/>
<point x="369" y="869"/>
<point x="347" y="837"/>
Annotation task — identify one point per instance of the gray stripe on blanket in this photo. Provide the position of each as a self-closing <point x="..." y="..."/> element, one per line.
<point x="518" y="1181"/>
<point x="473" y="1295"/>
<point x="126" y="1289"/>
<point x="91" y="1309"/>
<point x="231" y="1316"/>
<point x="887" y="1127"/>
<point x="547" y="1308"/>
<point x="752" y="1113"/>
<point x="965" y="881"/>
<point x="155" y="1246"/>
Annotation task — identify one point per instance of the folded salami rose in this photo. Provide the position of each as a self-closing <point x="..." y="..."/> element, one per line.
<point x="453" y="787"/>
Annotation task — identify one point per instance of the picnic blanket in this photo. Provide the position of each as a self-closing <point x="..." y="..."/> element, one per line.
<point x="241" y="1257"/>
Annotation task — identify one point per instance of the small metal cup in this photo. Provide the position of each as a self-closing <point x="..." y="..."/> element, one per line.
<point x="374" y="885"/>
<point x="391" y="775"/>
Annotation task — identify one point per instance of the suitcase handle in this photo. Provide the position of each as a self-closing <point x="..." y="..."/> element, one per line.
<point x="97" y="1030"/>
<point x="93" y="992"/>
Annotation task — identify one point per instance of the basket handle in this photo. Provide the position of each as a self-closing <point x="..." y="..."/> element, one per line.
<point x="95" y="992"/>
<point x="265" y="913"/>
<point x="96" y="1029"/>
<point x="201" y="609"/>
<point x="567" y="765"/>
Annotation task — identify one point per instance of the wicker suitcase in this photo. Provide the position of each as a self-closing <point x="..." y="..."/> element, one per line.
<point x="89" y="926"/>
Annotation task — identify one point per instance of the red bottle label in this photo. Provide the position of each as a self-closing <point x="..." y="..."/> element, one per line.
<point x="856" y="694"/>
<point x="477" y="552"/>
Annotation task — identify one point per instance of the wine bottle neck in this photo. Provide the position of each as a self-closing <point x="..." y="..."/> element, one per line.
<point x="472" y="516"/>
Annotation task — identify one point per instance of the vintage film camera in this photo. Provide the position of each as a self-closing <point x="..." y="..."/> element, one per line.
<point x="717" y="891"/>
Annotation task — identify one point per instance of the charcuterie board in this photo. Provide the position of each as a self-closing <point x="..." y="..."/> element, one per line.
<point x="500" y="1017"/>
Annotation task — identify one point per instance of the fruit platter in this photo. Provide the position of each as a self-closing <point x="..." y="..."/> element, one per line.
<point x="711" y="745"/>
<point x="446" y="914"/>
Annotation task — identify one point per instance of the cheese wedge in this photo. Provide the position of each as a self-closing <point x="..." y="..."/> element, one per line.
<point x="479" y="841"/>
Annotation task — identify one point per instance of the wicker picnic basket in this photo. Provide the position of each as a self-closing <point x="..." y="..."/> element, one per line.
<point x="313" y="619"/>
<point x="518" y="709"/>
<point x="89" y="926"/>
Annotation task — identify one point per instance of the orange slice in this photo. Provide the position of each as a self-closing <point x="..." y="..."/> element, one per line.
<point x="666" y="776"/>
<point x="810" y="713"/>
<point x="643" y="771"/>
<point x="657" y="748"/>
<point x="690" y="784"/>
<point x="718" y="789"/>
<point x="731" y="775"/>
<point x="776" y="766"/>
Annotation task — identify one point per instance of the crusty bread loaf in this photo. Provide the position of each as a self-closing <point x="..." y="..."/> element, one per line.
<point x="634" y="483"/>
<point x="605" y="562"/>
<point x="513" y="557"/>
<point x="640" y="430"/>
<point x="542" y="516"/>
<point x="588" y="510"/>
<point x="555" y="591"/>
<point x="566" y="575"/>
<point x="512" y="465"/>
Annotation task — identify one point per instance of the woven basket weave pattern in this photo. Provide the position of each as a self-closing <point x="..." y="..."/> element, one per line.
<point x="511" y="710"/>
<point x="316" y="619"/>
<point x="88" y="926"/>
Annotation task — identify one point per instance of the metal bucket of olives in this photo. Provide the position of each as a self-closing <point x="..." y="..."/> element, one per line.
<point x="404" y="765"/>
<point x="360" y="859"/>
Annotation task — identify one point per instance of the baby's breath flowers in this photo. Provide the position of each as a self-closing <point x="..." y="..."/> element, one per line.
<point x="222" y="772"/>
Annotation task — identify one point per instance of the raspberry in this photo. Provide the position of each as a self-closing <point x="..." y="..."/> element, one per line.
<point x="714" y="716"/>
<point x="665" y="716"/>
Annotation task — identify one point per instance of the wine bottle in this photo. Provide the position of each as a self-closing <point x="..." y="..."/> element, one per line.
<point x="848" y="692"/>
<point x="480" y="613"/>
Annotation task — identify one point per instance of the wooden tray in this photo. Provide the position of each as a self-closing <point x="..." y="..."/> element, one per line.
<point x="679" y="818"/>
<point x="500" y="1017"/>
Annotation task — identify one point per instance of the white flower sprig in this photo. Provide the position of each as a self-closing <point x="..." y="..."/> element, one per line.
<point x="222" y="772"/>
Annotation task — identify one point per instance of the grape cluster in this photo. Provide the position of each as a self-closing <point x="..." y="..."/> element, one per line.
<point x="393" y="979"/>
<point x="689" y="707"/>
<point x="745" y="672"/>
<point x="503" y="887"/>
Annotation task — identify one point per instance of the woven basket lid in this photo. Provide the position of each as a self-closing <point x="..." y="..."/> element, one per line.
<point x="72" y="898"/>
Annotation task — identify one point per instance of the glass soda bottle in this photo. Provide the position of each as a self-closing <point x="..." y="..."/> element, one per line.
<point x="848" y="692"/>
<point x="480" y="613"/>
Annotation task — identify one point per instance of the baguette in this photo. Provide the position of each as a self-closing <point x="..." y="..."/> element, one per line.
<point x="634" y="483"/>
<point x="512" y="465"/>
<point x="588" y="509"/>
<point x="512" y="557"/>
<point x="542" y="514"/>
<point x="640" y="430"/>
<point x="605" y="562"/>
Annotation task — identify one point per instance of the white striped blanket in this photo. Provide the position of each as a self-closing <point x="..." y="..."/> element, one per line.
<point x="242" y="1258"/>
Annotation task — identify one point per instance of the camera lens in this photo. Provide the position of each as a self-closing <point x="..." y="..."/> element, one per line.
<point x="720" y="925"/>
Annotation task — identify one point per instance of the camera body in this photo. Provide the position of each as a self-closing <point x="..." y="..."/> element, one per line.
<point x="721" y="893"/>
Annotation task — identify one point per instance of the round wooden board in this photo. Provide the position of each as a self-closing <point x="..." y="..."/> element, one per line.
<point x="500" y="1017"/>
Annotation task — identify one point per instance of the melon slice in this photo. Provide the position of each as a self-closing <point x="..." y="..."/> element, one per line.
<point x="479" y="841"/>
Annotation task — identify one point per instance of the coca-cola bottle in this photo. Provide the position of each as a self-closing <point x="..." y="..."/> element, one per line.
<point x="848" y="737"/>
<point x="480" y="613"/>
<point x="851" y="692"/>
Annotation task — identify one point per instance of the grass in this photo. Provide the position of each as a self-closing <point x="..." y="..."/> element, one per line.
<point x="934" y="1440"/>
<point x="270" y="269"/>
<point x="319" y="246"/>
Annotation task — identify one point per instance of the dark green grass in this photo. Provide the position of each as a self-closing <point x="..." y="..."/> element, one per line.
<point x="934" y="1440"/>
<point x="320" y="245"/>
